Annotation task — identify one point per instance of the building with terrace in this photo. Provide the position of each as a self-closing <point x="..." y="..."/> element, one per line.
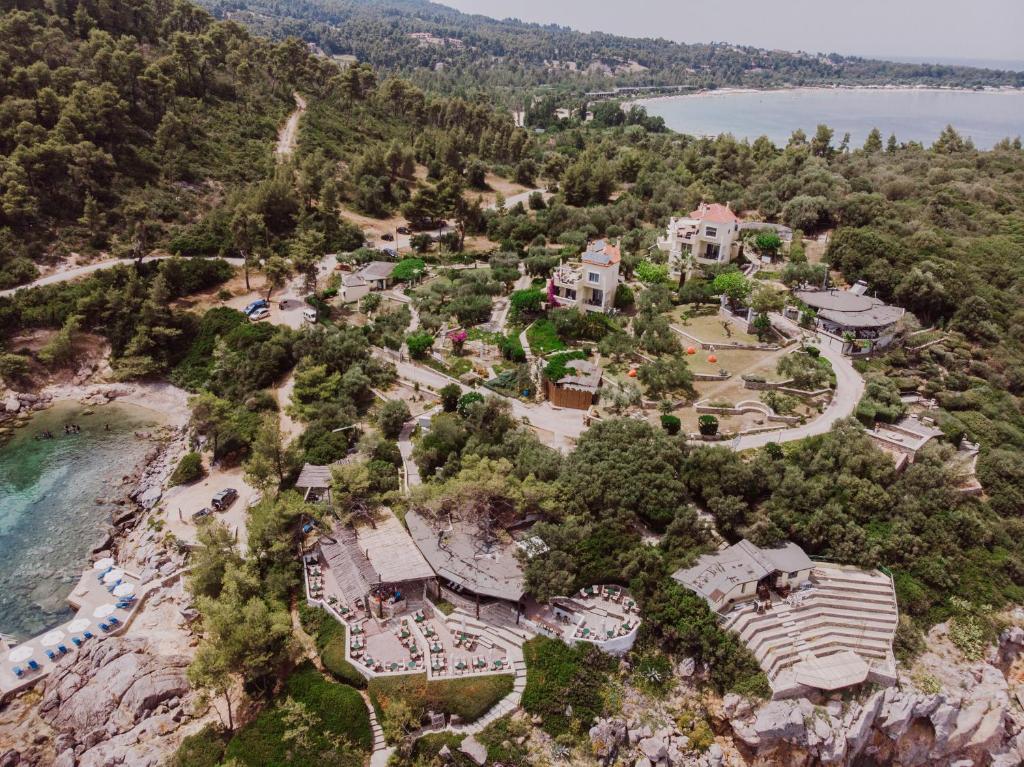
<point x="864" y="323"/>
<point x="811" y="625"/>
<point x="590" y="283"/>
<point x="708" y="235"/>
<point x="476" y="564"/>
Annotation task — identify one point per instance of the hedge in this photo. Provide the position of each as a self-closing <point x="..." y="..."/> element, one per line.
<point x="331" y="638"/>
<point x="190" y="468"/>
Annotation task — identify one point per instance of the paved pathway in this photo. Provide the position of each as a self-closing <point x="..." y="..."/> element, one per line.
<point x="849" y="390"/>
<point x="523" y="197"/>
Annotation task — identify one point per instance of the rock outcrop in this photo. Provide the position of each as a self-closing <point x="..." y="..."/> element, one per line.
<point x="111" y="700"/>
<point x="971" y="720"/>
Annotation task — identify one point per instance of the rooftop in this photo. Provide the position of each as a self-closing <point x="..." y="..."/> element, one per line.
<point x="586" y="378"/>
<point x="850" y="309"/>
<point x="715" y="213"/>
<point x="455" y="552"/>
<point x="391" y="551"/>
<point x="602" y="253"/>
<point x="716" y="574"/>
<point x="352" y="281"/>
<point x="377" y="270"/>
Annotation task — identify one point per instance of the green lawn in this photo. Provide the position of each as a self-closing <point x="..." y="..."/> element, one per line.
<point x="338" y="709"/>
<point x="543" y="338"/>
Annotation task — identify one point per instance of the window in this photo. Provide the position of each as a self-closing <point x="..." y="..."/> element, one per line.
<point x="711" y="231"/>
<point x="593" y="277"/>
<point x="794" y="574"/>
<point x="712" y="252"/>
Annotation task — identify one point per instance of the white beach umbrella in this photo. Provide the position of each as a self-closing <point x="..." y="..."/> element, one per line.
<point x="52" y="638"/>
<point x="103" y="564"/>
<point x="78" y="624"/>
<point x="103" y="611"/>
<point x="124" y="590"/>
<point x="113" y="575"/>
<point x="20" y="654"/>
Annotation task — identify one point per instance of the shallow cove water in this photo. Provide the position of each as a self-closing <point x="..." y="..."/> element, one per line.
<point x="49" y="518"/>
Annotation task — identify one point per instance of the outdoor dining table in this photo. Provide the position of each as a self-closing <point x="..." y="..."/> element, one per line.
<point x="405" y="634"/>
<point x="393" y="666"/>
<point x="499" y="663"/>
<point x="357" y="630"/>
<point x="480" y="663"/>
<point x="368" y="661"/>
<point x="436" y="647"/>
<point x="420" y="618"/>
<point x="460" y="665"/>
<point x="411" y="665"/>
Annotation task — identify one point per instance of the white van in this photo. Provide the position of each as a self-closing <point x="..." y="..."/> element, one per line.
<point x="309" y="315"/>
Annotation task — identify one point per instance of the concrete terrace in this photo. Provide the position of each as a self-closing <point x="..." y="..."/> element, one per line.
<point x="606" y="616"/>
<point x="94" y="605"/>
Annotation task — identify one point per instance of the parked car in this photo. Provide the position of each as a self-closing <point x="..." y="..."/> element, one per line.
<point x="391" y="253"/>
<point x="309" y="315"/>
<point x="224" y="498"/>
<point x="261" y="303"/>
<point x="259" y="314"/>
<point x="202" y="513"/>
<point x="388" y="237"/>
<point x="403" y="230"/>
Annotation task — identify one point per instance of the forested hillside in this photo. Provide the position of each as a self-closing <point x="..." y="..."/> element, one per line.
<point x="452" y="50"/>
<point x="119" y="121"/>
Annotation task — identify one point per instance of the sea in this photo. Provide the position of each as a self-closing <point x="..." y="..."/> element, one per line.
<point x="911" y="114"/>
<point x="50" y="517"/>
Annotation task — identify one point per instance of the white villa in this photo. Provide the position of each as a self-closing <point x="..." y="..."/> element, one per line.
<point x="590" y="283"/>
<point x="708" y="235"/>
<point x="811" y="625"/>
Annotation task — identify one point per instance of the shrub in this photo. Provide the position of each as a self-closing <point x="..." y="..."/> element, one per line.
<point x="466" y="400"/>
<point x="543" y="337"/>
<point x="671" y="424"/>
<point x="331" y="641"/>
<point x="560" y="676"/>
<point x="450" y="394"/>
<point x="650" y="273"/>
<point x="190" y="468"/>
<point x="524" y="302"/>
<point x="708" y="425"/>
<point x="13" y="368"/>
<point x="408" y="269"/>
<point x="624" y="297"/>
<point x="392" y="417"/>
<point x="419" y="344"/>
<point x="203" y="749"/>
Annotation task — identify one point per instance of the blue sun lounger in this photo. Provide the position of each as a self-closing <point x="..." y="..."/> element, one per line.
<point x="105" y="626"/>
<point x="87" y="635"/>
<point x="51" y="654"/>
<point x="33" y="665"/>
<point x="113" y="621"/>
<point x="102" y="575"/>
<point x="63" y="649"/>
<point x="18" y="672"/>
<point x="76" y="641"/>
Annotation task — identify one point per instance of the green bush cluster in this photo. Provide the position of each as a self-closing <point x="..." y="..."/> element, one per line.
<point x="189" y="469"/>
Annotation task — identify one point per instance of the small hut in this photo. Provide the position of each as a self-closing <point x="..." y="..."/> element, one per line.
<point x="576" y="389"/>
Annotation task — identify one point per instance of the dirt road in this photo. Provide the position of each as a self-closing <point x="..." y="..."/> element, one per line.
<point x="289" y="134"/>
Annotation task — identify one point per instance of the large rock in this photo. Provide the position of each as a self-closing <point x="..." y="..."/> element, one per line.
<point x="105" y="700"/>
<point x="12" y="404"/>
<point x="654" y="748"/>
<point x="474" y="749"/>
<point x="605" y="738"/>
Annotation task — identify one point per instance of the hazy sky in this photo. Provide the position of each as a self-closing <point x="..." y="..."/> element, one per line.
<point x="946" y="29"/>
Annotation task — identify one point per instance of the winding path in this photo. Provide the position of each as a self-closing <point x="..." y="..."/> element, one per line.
<point x="849" y="390"/>
<point x="289" y="134"/>
<point x="85" y="270"/>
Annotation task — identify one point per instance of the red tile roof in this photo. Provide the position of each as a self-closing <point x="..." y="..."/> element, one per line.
<point x="715" y="213"/>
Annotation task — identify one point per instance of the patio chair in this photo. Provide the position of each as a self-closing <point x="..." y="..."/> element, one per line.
<point x="18" y="672"/>
<point x="51" y="654"/>
<point x="33" y="665"/>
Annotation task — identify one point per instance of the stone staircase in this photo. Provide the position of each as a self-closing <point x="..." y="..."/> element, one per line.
<point x="846" y="609"/>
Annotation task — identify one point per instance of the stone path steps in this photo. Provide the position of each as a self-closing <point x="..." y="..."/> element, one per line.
<point x="381" y="752"/>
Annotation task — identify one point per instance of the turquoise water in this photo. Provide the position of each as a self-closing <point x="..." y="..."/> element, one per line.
<point x="913" y="115"/>
<point x="49" y="518"/>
